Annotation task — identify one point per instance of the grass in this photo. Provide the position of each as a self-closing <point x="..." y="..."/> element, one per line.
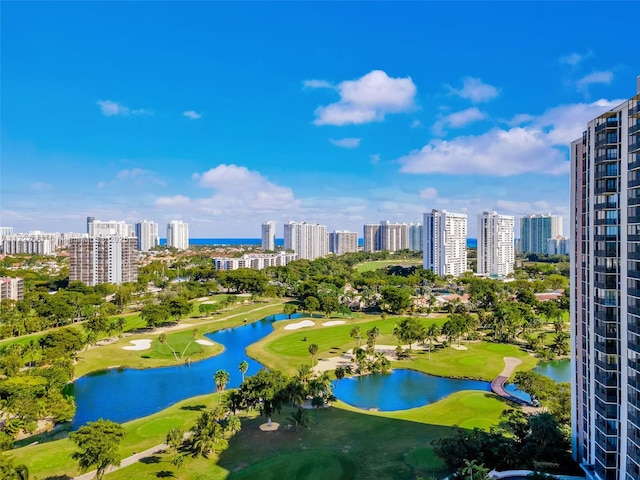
<point x="286" y="350"/>
<point x="375" y="445"/>
<point x="159" y="355"/>
<point x="377" y="264"/>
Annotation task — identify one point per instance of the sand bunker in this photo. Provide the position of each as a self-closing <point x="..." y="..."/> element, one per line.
<point x="333" y="322"/>
<point x="303" y="323"/>
<point x="138" y="345"/>
<point x="204" y="342"/>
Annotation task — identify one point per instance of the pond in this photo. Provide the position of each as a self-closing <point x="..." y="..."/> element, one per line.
<point x="557" y="370"/>
<point x="123" y="394"/>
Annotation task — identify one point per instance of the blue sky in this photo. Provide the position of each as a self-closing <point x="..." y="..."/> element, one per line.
<point x="228" y="114"/>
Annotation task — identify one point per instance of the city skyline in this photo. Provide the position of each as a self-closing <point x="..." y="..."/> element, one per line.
<point x="220" y="124"/>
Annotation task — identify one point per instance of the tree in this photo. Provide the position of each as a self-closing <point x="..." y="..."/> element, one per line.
<point x="313" y="349"/>
<point x="311" y="304"/>
<point x="356" y="335"/>
<point x="243" y="367"/>
<point x="340" y="372"/>
<point x="163" y="340"/>
<point x="121" y="322"/>
<point x="289" y="309"/>
<point x="178" y="461"/>
<point x="221" y="378"/>
<point x="10" y="471"/>
<point x="175" y="436"/>
<point x="561" y="343"/>
<point x="396" y="299"/>
<point x="299" y="418"/>
<point x="431" y="335"/>
<point x="409" y="330"/>
<point x="98" y="444"/>
<point x="473" y="471"/>
<point x="265" y="390"/>
<point x="154" y="315"/>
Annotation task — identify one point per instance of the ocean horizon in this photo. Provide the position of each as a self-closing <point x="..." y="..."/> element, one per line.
<point x="220" y="242"/>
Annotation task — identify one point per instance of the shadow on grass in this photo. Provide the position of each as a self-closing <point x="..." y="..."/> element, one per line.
<point x="343" y="445"/>
<point x="150" y="460"/>
<point x="59" y="477"/>
<point x="165" y="474"/>
<point x="194" y="408"/>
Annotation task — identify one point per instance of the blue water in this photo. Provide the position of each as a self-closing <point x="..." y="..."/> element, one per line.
<point x="124" y="394"/>
<point x="401" y="389"/>
<point x="557" y="370"/>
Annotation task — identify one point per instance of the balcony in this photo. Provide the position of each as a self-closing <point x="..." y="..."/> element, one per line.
<point x="632" y="111"/>
<point x="608" y="125"/>
<point x="634" y="146"/>
<point x="634" y="129"/>
<point x="612" y="367"/>
<point x="608" y="379"/>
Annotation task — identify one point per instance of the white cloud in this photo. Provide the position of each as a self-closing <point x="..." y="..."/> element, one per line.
<point x="475" y="90"/>
<point x="237" y="192"/>
<point x="346" y="142"/>
<point x="109" y="108"/>
<point x="539" y="147"/>
<point x="458" y="119"/>
<point x="192" y="114"/>
<point x="374" y="158"/>
<point x="41" y="186"/>
<point x="132" y="173"/>
<point x="368" y="99"/>
<point x="596" y="77"/>
<point x="428" y="193"/>
<point x="316" y="84"/>
<point x="416" y="123"/>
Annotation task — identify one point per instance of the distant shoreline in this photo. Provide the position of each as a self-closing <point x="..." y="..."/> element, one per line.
<point x="471" y="242"/>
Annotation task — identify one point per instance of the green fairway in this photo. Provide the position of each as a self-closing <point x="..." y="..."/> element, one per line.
<point x="377" y="264"/>
<point x="287" y="349"/>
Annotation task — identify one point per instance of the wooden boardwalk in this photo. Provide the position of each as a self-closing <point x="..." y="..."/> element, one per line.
<point x="497" y="385"/>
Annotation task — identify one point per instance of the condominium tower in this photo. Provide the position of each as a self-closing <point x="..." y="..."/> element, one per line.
<point x="386" y="236"/>
<point x="98" y="228"/>
<point x="605" y="294"/>
<point x="104" y="259"/>
<point x="147" y="234"/>
<point x="535" y="230"/>
<point x="343" y="241"/>
<point x="268" y="236"/>
<point x="495" y="244"/>
<point x="178" y="234"/>
<point x="307" y="240"/>
<point x="445" y="242"/>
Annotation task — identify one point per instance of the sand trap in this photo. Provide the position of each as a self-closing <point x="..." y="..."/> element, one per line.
<point x="333" y="322"/>
<point x="302" y="324"/>
<point x="459" y="347"/>
<point x="205" y="342"/>
<point x="138" y="345"/>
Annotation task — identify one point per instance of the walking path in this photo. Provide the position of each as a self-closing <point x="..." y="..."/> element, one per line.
<point x="497" y="385"/>
<point x="136" y="457"/>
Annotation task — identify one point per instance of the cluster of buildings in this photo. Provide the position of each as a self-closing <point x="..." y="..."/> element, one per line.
<point x="605" y="294"/>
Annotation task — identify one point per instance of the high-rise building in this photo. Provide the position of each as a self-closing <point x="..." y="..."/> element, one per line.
<point x="416" y="241"/>
<point x="605" y="294"/>
<point x="445" y="242"/>
<point x="11" y="288"/>
<point x="40" y="244"/>
<point x="178" y="234"/>
<point x="98" y="228"/>
<point x="268" y="236"/>
<point x="558" y="246"/>
<point x="343" y="241"/>
<point x="307" y="240"/>
<point x="147" y="234"/>
<point x="5" y="231"/>
<point x="386" y="236"/>
<point x="535" y="230"/>
<point x="495" y="244"/>
<point x="103" y="259"/>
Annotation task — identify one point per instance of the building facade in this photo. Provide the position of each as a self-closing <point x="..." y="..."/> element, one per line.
<point x="256" y="261"/>
<point x="42" y="244"/>
<point x="11" y="288"/>
<point x="147" y="235"/>
<point x="98" y="228"/>
<point x="343" y="241"/>
<point x="97" y="260"/>
<point x="496" y="249"/>
<point x="445" y="242"/>
<point x="416" y="239"/>
<point x="386" y="236"/>
<point x="268" y="236"/>
<point x="178" y="234"/>
<point x="605" y="294"/>
<point x="558" y="246"/>
<point x="535" y="230"/>
<point x="307" y="240"/>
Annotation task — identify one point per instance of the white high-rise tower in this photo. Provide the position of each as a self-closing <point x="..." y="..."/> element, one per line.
<point x="445" y="242"/>
<point x="268" y="236"/>
<point x="178" y="234"/>
<point x="495" y="244"/>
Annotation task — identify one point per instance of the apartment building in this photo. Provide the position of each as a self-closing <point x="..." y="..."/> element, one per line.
<point x="535" y="230"/>
<point x="98" y="228"/>
<point x="38" y="244"/>
<point x="256" y="261"/>
<point x="268" y="236"/>
<point x="147" y="235"/>
<point x="343" y="241"/>
<point x="307" y="240"/>
<point x="178" y="234"/>
<point x="496" y="252"/>
<point x="103" y="259"/>
<point x="11" y="288"/>
<point x="445" y="242"/>
<point x="605" y="294"/>
<point x="558" y="246"/>
<point x="386" y="236"/>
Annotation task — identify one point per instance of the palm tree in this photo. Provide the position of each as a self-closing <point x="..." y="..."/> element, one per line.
<point x="313" y="349"/>
<point x="163" y="340"/>
<point x="298" y="418"/>
<point x="233" y="424"/>
<point x="174" y="439"/>
<point x="243" y="367"/>
<point x="431" y="335"/>
<point x="356" y="335"/>
<point x="339" y="373"/>
<point x="121" y="322"/>
<point x="178" y="461"/>
<point x="221" y="378"/>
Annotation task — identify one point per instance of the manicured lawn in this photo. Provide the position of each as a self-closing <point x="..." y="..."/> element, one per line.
<point x="160" y="355"/>
<point x="377" y="264"/>
<point x="287" y="349"/>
